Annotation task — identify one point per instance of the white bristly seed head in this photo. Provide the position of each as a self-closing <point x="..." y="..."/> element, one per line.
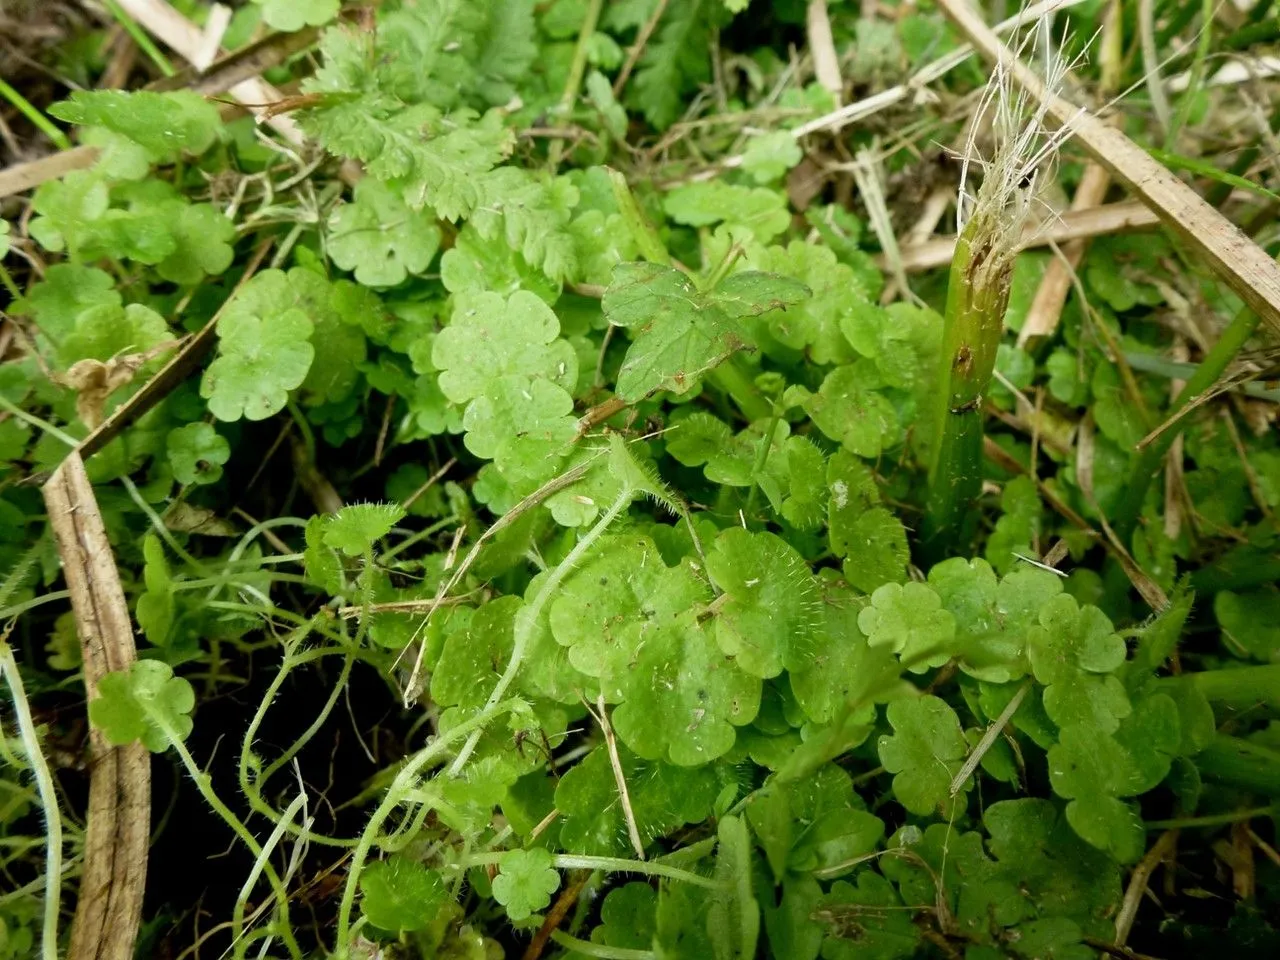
<point x="1025" y="149"/>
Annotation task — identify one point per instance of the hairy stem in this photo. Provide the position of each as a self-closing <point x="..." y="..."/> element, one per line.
<point x="1147" y="464"/>
<point x="527" y="617"/>
<point x="401" y="787"/>
<point x="48" y="801"/>
<point x="204" y="784"/>
<point x="977" y="296"/>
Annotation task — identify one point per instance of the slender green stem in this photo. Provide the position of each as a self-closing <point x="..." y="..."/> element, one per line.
<point x="1195" y="84"/>
<point x="587" y="948"/>
<point x="238" y="912"/>
<point x="418" y="537"/>
<point x="527" y="616"/>
<point x="977" y="296"/>
<point x="48" y="801"/>
<point x="400" y="786"/>
<point x="731" y="378"/>
<point x="56" y="432"/>
<point x="762" y="457"/>
<point x="204" y="783"/>
<point x="38" y="119"/>
<point x="577" y="69"/>
<point x="6" y="278"/>
<point x="1214" y="819"/>
<point x="141" y="38"/>
<point x="573" y="861"/>
<point x="1147" y="464"/>
<point x="34" y="602"/>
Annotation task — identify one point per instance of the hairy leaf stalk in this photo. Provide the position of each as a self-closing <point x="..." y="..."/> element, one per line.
<point x="977" y="295"/>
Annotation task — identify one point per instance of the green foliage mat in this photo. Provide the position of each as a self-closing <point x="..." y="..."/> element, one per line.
<point x="578" y="453"/>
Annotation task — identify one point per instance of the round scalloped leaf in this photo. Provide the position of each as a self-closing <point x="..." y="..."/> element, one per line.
<point x="771" y="619"/>
<point x="197" y="452"/>
<point x="400" y="894"/>
<point x="926" y="750"/>
<point x="146" y="702"/>
<point x="525" y="882"/>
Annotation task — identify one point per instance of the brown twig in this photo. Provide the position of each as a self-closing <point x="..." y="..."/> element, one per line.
<point x="555" y="916"/>
<point x="822" y="47"/>
<point x="1073" y="225"/>
<point x="187" y="40"/>
<point x="119" y="816"/>
<point x="430" y="482"/>
<point x="171" y="374"/>
<point x="1243" y="265"/>
<point x="598" y="415"/>
<point x="637" y="48"/>
<point x="1138" y="884"/>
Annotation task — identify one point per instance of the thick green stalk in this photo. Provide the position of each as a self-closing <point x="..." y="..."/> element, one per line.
<point x="1243" y="688"/>
<point x="1241" y="763"/>
<point x="1125" y="517"/>
<point x="977" y="296"/>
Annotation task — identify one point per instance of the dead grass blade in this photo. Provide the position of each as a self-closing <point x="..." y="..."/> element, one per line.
<point x="171" y="374"/>
<point x="1241" y="263"/>
<point x="188" y="40"/>
<point x="119" y="817"/>
<point x="1073" y="225"/>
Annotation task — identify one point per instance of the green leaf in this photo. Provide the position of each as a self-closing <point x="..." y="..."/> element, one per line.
<point x="525" y="882"/>
<point x="164" y="124"/>
<point x="1090" y="768"/>
<point x="814" y="823"/>
<point x="680" y="333"/>
<point x="155" y="607"/>
<point x="108" y="331"/>
<point x="909" y="619"/>
<point x="733" y="920"/>
<point x="1018" y="527"/>
<point x="848" y="409"/>
<point x="673" y="62"/>
<point x="627" y="917"/>
<point x="356" y="528"/>
<point x="202" y="245"/>
<point x="400" y="893"/>
<point x="876" y="548"/>
<point x="925" y="752"/>
<point x="68" y="209"/>
<point x="992" y="617"/>
<point x="263" y="351"/>
<point x="771" y="618"/>
<point x="490" y="337"/>
<point x="1251" y="622"/>
<point x="761" y="212"/>
<point x="1055" y="872"/>
<point x="663" y="799"/>
<point x="380" y="238"/>
<point x="293" y="15"/>
<point x="197" y="453"/>
<point x="769" y="156"/>
<point x="814" y="325"/>
<point x="867" y="921"/>
<point x="146" y="702"/>
<point x="1073" y="651"/>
